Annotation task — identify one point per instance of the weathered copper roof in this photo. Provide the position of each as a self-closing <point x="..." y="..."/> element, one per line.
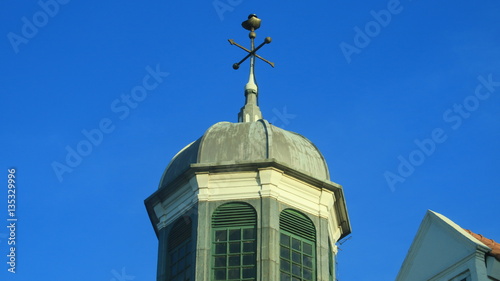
<point x="495" y="247"/>
<point x="249" y="142"/>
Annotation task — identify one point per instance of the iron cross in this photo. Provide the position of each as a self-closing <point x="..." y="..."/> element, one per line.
<point x="252" y="24"/>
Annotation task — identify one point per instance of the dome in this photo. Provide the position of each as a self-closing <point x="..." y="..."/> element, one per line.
<point x="249" y="142"/>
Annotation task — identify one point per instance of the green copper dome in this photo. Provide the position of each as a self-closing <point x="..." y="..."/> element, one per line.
<point x="228" y="143"/>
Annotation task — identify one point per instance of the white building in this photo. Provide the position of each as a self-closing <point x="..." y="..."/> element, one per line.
<point x="443" y="251"/>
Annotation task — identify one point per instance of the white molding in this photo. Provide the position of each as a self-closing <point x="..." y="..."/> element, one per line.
<point x="243" y="185"/>
<point x="176" y="205"/>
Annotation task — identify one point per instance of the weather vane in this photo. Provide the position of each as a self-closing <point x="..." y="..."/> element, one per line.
<point x="252" y="24"/>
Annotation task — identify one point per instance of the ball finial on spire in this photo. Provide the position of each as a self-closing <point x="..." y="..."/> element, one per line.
<point x="251" y="112"/>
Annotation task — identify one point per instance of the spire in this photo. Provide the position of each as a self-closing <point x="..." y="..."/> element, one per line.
<point x="251" y="111"/>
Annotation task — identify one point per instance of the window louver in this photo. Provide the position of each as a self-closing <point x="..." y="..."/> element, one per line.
<point x="234" y="215"/>
<point x="180" y="232"/>
<point x="297" y="224"/>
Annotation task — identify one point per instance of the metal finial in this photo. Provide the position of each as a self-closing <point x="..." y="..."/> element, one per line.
<point x="251" y="24"/>
<point x="251" y="112"/>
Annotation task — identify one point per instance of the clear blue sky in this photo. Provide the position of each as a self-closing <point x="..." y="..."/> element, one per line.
<point x="417" y="82"/>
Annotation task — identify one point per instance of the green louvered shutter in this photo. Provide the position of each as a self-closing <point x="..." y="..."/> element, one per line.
<point x="297" y="246"/>
<point x="234" y="215"/>
<point x="234" y="241"/>
<point x="297" y="224"/>
<point x="180" y="250"/>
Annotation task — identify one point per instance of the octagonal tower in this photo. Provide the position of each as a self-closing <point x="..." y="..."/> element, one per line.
<point x="248" y="201"/>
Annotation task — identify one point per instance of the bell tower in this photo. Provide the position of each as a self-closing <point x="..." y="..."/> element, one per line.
<point x="248" y="201"/>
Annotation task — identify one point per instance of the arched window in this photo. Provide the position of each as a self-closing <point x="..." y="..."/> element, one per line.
<point x="234" y="241"/>
<point x="297" y="247"/>
<point x="179" y="249"/>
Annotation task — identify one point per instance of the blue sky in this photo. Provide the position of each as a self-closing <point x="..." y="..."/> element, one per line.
<point x="402" y="97"/>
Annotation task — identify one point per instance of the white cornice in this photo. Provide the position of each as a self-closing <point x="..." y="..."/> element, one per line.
<point x="267" y="182"/>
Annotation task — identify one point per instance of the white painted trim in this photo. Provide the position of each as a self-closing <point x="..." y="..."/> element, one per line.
<point x="243" y="185"/>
